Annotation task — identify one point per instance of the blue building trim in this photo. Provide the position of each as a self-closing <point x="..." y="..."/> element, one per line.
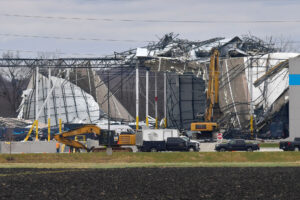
<point x="294" y="79"/>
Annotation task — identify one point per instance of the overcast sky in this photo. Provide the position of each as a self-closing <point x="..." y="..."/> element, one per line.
<point x="139" y="31"/>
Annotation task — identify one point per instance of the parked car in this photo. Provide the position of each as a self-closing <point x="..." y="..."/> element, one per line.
<point x="290" y="145"/>
<point x="237" y="145"/>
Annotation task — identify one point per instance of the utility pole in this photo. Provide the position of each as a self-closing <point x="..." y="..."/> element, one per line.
<point x="137" y="94"/>
<point x="108" y="104"/>
<point x="109" y="149"/>
<point x="165" y="99"/>
<point x="60" y="107"/>
<point x="37" y="104"/>
<point x="251" y="100"/>
<point x="147" y="98"/>
<point x="48" y="103"/>
<point x="155" y="88"/>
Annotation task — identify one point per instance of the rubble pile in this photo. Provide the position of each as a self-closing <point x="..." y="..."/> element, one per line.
<point x="14" y="122"/>
<point x="170" y="46"/>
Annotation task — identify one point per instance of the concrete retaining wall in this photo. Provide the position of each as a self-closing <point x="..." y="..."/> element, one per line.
<point x="28" y="147"/>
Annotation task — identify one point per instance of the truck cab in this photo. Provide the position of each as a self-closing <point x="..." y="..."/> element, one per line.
<point x="177" y="144"/>
<point x="171" y="144"/>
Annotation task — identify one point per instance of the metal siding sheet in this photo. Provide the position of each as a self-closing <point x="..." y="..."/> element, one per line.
<point x="294" y="79"/>
<point x="193" y="100"/>
<point x="294" y="96"/>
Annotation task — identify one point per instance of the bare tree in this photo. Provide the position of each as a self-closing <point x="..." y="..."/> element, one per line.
<point x="13" y="81"/>
<point x="282" y="44"/>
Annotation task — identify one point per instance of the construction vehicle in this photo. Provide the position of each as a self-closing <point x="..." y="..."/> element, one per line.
<point x="106" y="138"/>
<point x="206" y="128"/>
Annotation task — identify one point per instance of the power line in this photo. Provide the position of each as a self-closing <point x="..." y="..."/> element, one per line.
<point x="150" y="20"/>
<point x="112" y="40"/>
<point x="69" y="38"/>
<point x="51" y="52"/>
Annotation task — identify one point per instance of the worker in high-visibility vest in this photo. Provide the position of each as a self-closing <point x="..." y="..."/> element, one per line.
<point x="57" y="147"/>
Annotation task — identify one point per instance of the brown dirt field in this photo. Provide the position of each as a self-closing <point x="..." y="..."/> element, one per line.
<point x="151" y="183"/>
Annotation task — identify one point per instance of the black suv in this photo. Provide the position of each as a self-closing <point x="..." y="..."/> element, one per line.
<point x="237" y="145"/>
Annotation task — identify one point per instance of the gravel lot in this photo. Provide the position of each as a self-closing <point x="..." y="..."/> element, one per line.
<point x="151" y="183"/>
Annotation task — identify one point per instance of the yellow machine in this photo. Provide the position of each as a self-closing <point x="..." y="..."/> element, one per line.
<point x="114" y="140"/>
<point x="204" y="126"/>
<point x="208" y="127"/>
<point x="126" y="139"/>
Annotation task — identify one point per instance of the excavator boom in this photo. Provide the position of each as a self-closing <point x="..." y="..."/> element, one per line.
<point x="123" y="139"/>
<point x="86" y="129"/>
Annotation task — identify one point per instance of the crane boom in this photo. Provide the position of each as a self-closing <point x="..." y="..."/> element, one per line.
<point x="206" y="128"/>
<point x="212" y="95"/>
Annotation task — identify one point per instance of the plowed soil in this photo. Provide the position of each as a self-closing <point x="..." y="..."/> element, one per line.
<point x="151" y="183"/>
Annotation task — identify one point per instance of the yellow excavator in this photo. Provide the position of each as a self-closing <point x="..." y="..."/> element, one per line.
<point x="207" y="127"/>
<point x="106" y="138"/>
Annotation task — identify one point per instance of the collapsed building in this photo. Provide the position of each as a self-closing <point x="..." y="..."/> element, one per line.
<point x="79" y="97"/>
<point x="253" y="80"/>
<point x="243" y="92"/>
<point x="243" y="61"/>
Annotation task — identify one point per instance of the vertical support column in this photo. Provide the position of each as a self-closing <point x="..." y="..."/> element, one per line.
<point x="68" y="74"/>
<point x="165" y="99"/>
<point x="251" y="99"/>
<point x="89" y="77"/>
<point x="155" y="88"/>
<point x="108" y="101"/>
<point x="37" y="103"/>
<point x="137" y="94"/>
<point x="60" y="106"/>
<point x="48" y="102"/>
<point x="147" y="98"/>
<point x="60" y="125"/>
<point x="75" y="74"/>
<point x="109" y="148"/>
<point x="108" y="108"/>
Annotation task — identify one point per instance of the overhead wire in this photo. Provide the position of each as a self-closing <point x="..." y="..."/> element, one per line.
<point x="71" y="38"/>
<point x="52" y="52"/>
<point x="147" y="20"/>
<point x="106" y="39"/>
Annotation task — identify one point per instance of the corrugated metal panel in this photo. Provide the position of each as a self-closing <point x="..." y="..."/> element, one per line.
<point x="76" y="104"/>
<point x="186" y="100"/>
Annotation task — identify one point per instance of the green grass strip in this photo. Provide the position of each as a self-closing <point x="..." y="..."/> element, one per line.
<point x="269" y="145"/>
<point x="120" y="159"/>
<point x="130" y="165"/>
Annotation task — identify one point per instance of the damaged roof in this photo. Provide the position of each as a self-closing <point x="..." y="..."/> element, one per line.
<point x="170" y="46"/>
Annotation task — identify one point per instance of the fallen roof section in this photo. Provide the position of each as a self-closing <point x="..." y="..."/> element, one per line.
<point x="67" y="102"/>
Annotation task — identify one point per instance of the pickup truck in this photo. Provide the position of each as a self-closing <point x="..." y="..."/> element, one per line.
<point x="237" y="145"/>
<point x="290" y="145"/>
<point x="171" y="144"/>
